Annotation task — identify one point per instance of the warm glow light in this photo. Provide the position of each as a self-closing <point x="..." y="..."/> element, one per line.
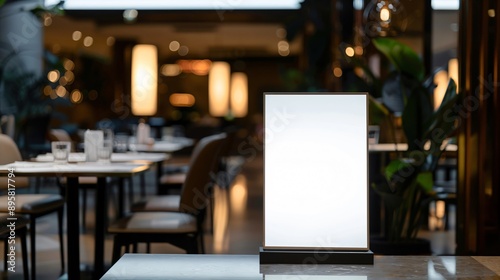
<point x="144" y="80"/>
<point x="218" y="89"/>
<point x="453" y="70"/>
<point x="337" y="72"/>
<point x="69" y="76"/>
<point x="174" y="46"/>
<point x="69" y="64"/>
<point x="170" y="70"/>
<point x="281" y="33"/>
<point x="47" y="20"/>
<point x="201" y="67"/>
<point x="110" y="41"/>
<point x="53" y="76"/>
<point x="77" y="35"/>
<point x="283" y="45"/>
<point x="441" y="81"/>
<point x="239" y="94"/>
<point x="349" y="51"/>
<point x="182" y="100"/>
<point x="491" y="13"/>
<point x="61" y="91"/>
<point x="76" y="96"/>
<point x="284" y="52"/>
<point x="239" y="196"/>
<point x="358" y="50"/>
<point x="221" y="219"/>
<point x="283" y="48"/>
<point x="440" y="209"/>
<point x="88" y="41"/>
<point x="385" y="14"/>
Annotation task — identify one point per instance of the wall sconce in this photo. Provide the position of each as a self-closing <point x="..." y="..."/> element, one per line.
<point x="218" y="89"/>
<point x="239" y="94"/>
<point x="144" y="80"/>
<point x="384" y="18"/>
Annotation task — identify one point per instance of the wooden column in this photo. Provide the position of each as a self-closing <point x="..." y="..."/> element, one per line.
<point x="478" y="189"/>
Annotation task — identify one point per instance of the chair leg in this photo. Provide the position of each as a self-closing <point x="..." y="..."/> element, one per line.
<point x="148" y="247"/>
<point x="201" y="248"/>
<point x="24" y="251"/>
<point x="60" y="214"/>
<point x="143" y="185"/>
<point x="84" y="208"/>
<point x="33" y="246"/>
<point x="117" y="247"/>
<point x="131" y="191"/>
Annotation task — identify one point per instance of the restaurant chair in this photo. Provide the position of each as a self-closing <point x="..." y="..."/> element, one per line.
<point x="184" y="227"/>
<point x="30" y="205"/>
<point x="20" y="232"/>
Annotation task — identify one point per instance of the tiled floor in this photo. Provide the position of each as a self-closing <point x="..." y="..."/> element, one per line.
<point x="237" y="226"/>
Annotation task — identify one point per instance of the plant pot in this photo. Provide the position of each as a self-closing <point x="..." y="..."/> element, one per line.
<point x="380" y="246"/>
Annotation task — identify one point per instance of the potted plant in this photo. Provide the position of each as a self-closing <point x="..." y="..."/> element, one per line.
<point x="408" y="185"/>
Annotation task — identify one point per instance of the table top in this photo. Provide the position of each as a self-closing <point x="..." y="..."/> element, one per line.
<point x="80" y="169"/>
<point x="166" y="145"/>
<point x="176" y="267"/>
<point x="394" y="147"/>
<point x="115" y="157"/>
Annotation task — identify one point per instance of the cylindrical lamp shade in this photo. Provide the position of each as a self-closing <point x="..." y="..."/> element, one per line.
<point x="239" y="94"/>
<point x="144" y="80"/>
<point x="218" y="89"/>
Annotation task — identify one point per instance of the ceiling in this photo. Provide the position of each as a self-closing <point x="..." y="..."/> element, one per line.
<point x="239" y="34"/>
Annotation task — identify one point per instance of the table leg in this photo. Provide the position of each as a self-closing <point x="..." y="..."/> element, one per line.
<point x="73" y="224"/>
<point x="100" y="224"/>
<point x="159" y="172"/>
<point x="121" y="198"/>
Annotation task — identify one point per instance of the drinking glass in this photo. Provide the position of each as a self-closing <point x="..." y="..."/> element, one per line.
<point x="105" y="150"/>
<point x="60" y="151"/>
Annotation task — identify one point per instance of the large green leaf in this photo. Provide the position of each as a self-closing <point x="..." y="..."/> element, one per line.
<point x="377" y="111"/>
<point x="404" y="58"/>
<point x="417" y="111"/>
<point x="425" y="181"/>
<point x="394" y="167"/>
<point x="442" y="122"/>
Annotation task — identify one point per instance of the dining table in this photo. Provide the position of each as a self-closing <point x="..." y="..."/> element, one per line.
<point x="248" y="267"/>
<point x="72" y="171"/>
<point x="156" y="159"/>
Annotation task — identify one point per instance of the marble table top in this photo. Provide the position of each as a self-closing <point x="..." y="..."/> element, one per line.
<point x="163" y="266"/>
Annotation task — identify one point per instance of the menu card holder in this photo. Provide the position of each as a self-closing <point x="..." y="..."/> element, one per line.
<point x="316" y="179"/>
<point x="93" y="140"/>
